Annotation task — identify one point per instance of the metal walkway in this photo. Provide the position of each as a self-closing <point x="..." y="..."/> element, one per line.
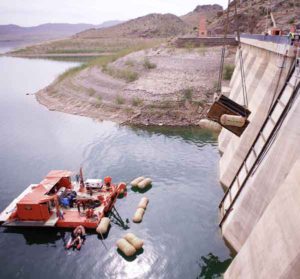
<point x="262" y="142"/>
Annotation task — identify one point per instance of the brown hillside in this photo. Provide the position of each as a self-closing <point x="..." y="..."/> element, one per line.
<point x="210" y="11"/>
<point x="252" y="16"/>
<point x="150" y="26"/>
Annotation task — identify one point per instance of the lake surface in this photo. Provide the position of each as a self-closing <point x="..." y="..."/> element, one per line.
<point x="180" y="226"/>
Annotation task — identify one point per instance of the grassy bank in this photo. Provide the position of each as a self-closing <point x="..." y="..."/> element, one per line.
<point x="103" y="61"/>
<point x="82" y="46"/>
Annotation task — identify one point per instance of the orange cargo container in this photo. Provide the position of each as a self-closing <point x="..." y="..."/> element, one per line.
<point x="33" y="212"/>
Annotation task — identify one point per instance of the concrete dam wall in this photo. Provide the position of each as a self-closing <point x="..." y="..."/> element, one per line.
<point x="261" y="169"/>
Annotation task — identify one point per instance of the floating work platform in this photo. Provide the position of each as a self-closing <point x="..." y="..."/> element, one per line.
<point x="6" y="213"/>
<point x="57" y="201"/>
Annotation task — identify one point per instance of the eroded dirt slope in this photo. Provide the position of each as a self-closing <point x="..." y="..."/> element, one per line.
<point x="161" y="86"/>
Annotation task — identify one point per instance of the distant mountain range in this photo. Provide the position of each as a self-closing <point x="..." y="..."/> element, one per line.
<point x="149" y="26"/>
<point x="48" y="31"/>
<point x="252" y="19"/>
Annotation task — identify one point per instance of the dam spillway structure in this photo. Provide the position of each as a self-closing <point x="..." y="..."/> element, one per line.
<point x="260" y="169"/>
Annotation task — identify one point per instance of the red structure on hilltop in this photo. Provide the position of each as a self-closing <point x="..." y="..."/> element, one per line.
<point x="202" y="27"/>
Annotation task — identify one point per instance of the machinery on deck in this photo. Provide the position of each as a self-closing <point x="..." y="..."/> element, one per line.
<point x="57" y="201"/>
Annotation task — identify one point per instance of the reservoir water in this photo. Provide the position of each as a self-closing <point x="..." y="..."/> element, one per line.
<point x="180" y="227"/>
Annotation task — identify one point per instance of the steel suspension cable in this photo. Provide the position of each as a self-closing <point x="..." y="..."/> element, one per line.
<point x="240" y="56"/>
<point x="219" y="88"/>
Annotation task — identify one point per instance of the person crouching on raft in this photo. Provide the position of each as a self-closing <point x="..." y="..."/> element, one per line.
<point x="78" y="236"/>
<point x="107" y="183"/>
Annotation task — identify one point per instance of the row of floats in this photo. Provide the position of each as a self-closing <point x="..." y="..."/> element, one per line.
<point x="104" y="224"/>
<point x="130" y="244"/>
<point x="225" y="120"/>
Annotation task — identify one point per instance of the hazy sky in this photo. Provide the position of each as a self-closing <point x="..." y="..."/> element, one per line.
<point x="34" y="12"/>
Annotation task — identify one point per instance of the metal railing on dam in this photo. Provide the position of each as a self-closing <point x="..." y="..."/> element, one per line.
<point x="268" y="38"/>
<point x="230" y="40"/>
<point x="281" y="45"/>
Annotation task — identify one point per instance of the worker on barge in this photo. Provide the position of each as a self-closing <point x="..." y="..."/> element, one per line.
<point x="292" y="34"/>
<point x="77" y="238"/>
<point x="107" y="183"/>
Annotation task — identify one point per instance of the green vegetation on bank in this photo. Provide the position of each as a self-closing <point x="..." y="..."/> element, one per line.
<point x="188" y="94"/>
<point x="77" y="51"/>
<point x="103" y="62"/>
<point x="228" y="71"/>
<point x="136" y="101"/>
<point x="91" y="92"/>
<point x="97" y="102"/>
<point x="125" y="74"/>
<point x="120" y="100"/>
<point x="71" y="72"/>
<point x="148" y="65"/>
<point x="84" y="46"/>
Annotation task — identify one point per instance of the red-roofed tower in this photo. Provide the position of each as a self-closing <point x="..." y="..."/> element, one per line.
<point x="202" y="27"/>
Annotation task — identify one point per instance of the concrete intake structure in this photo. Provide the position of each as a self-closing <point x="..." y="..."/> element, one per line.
<point x="259" y="175"/>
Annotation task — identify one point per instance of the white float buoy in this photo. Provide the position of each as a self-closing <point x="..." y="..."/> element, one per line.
<point x="143" y="203"/>
<point x="126" y="247"/>
<point x="103" y="226"/>
<point x="136" y="181"/>
<point x="210" y="125"/>
<point x="138" y="215"/>
<point x="145" y="183"/>
<point x="233" y="120"/>
<point x="136" y="242"/>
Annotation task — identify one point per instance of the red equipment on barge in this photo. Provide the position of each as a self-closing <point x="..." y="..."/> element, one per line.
<point x="59" y="202"/>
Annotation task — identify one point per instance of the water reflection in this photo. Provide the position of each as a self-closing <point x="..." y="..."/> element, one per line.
<point x="212" y="267"/>
<point x="143" y="190"/>
<point x="80" y="59"/>
<point x="39" y="236"/>
<point x="182" y="212"/>
<point x="188" y="134"/>
<point x="130" y="258"/>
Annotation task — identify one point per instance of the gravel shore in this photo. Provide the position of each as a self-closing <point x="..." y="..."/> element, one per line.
<point x="170" y="87"/>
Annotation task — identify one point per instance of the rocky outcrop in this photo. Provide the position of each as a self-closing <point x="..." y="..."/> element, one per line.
<point x="252" y="16"/>
<point x="149" y="26"/>
<point x="209" y="11"/>
<point x="208" y="8"/>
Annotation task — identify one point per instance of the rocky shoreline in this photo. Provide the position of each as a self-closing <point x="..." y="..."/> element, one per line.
<point x="162" y="86"/>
